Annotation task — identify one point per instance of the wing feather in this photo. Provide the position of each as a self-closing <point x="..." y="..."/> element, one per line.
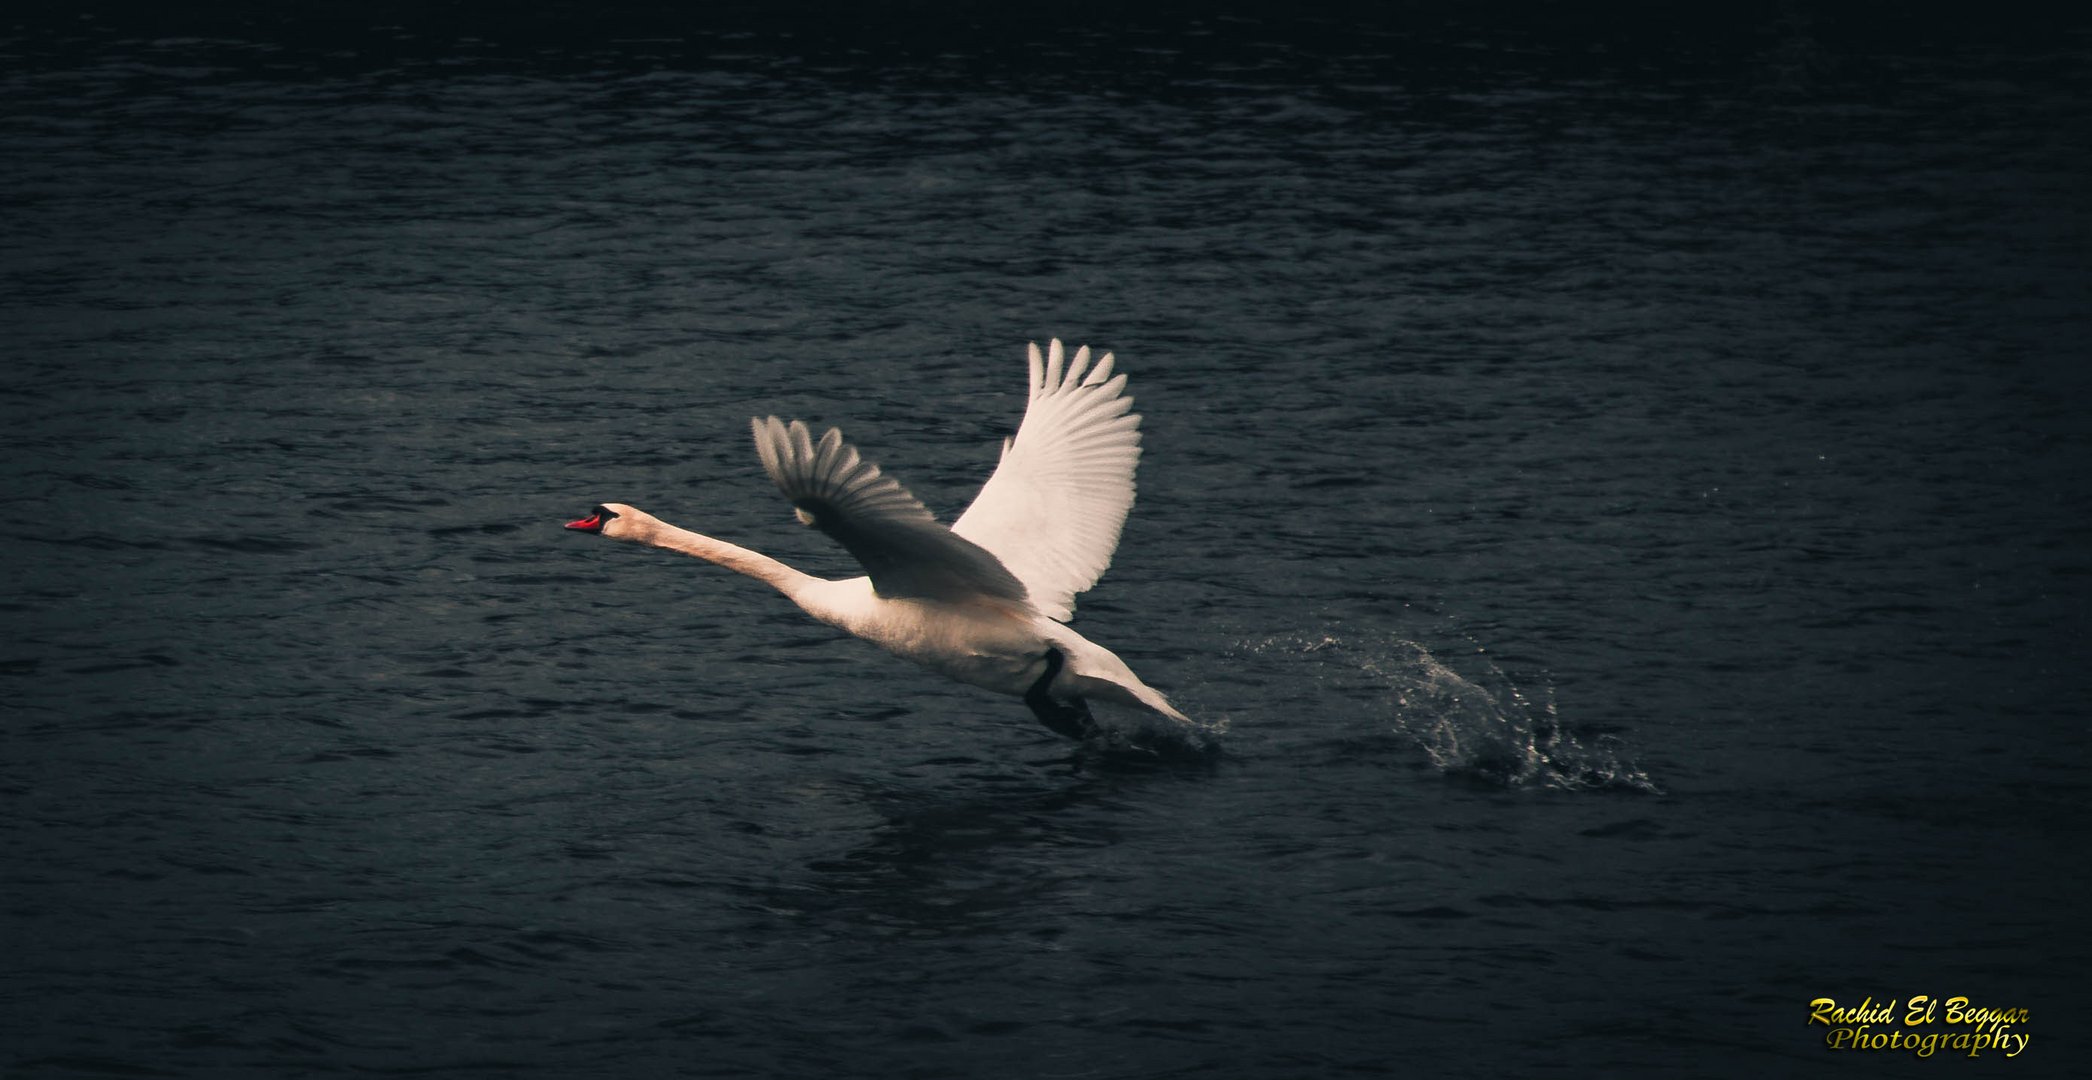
<point x="904" y="549"/>
<point x="1054" y="508"/>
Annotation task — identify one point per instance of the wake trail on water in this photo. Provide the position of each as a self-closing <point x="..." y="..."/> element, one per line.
<point x="1479" y="725"/>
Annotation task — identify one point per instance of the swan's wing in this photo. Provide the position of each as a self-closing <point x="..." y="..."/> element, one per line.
<point x="1053" y="510"/>
<point x="907" y="552"/>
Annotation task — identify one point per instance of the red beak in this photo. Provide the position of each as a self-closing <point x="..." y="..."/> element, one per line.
<point x="588" y="524"/>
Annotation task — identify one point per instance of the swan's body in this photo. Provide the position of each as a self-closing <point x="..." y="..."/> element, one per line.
<point x="984" y="601"/>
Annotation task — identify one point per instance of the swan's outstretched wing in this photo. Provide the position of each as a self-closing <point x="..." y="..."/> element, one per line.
<point x="1053" y="510"/>
<point x="907" y="552"/>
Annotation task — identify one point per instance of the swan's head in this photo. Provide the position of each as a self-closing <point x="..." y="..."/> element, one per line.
<point x="614" y="520"/>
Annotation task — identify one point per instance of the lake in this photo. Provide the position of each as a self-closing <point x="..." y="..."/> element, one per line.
<point x="1615" y="502"/>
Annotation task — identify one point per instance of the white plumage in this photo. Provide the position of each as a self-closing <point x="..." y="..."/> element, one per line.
<point x="1053" y="510"/>
<point x="983" y="601"/>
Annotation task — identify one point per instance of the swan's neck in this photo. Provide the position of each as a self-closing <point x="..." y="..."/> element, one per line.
<point x="755" y="564"/>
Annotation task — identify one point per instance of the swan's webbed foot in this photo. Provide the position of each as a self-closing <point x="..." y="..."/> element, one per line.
<point x="1070" y="718"/>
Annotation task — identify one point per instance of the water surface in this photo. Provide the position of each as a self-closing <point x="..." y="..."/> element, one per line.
<point x="1620" y="493"/>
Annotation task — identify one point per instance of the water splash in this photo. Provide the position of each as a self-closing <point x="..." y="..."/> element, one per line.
<point x="1479" y="725"/>
<point x="1136" y="732"/>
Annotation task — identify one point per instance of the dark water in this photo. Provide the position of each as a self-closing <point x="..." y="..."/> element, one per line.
<point x="1623" y="489"/>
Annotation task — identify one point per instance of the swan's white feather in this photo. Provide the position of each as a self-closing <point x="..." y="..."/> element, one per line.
<point x="906" y="551"/>
<point x="1053" y="510"/>
<point x="984" y="601"/>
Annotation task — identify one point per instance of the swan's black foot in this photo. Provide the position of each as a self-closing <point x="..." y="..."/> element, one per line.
<point x="1070" y="718"/>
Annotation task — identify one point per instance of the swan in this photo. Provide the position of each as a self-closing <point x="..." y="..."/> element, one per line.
<point x="986" y="600"/>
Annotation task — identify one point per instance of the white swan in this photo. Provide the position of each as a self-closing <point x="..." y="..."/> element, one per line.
<point x="984" y="601"/>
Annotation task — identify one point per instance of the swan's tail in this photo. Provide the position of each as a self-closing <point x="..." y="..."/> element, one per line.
<point x="1148" y="696"/>
<point x="1094" y="671"/>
